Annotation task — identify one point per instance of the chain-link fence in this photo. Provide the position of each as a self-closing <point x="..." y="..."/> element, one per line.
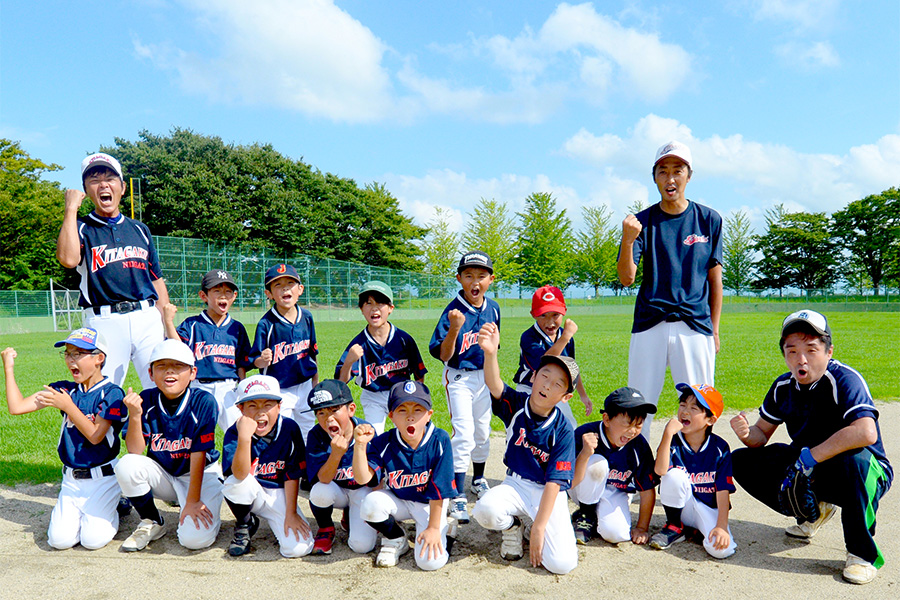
<point x="331" y="288"/>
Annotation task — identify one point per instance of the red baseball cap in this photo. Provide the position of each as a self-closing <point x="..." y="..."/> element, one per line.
<point x="547" y="299"/>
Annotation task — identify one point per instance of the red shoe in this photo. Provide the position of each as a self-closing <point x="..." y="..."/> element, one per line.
<point x="324" y="541"/>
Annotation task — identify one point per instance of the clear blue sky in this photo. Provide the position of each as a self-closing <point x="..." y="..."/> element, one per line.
<point x="794" y="102"/>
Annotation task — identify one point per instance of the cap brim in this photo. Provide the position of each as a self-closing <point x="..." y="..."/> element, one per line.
<point x="258" y="397"/>
<point x="77" y="343"/>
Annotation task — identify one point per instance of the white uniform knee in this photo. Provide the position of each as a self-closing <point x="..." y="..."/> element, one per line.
<point x="131" y="475"/>
<point x="196" y="538"/>
<point x="489" y="516"/>
<point x="61" y="541"/>
<point x="322" y="494"/>
<point x="559" y="565"/>
<point x="712" y="551"/>
<point x="674" y="488"/>
<point x="294" y="549"/>
<point x="615" y="533"/>
<point x="377" y="507"/>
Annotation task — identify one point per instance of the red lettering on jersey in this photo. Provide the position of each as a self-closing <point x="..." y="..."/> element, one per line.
<point x="563" y="465"/>
<point x="695" y="239"/>
<point x="469" y="339"/>
<point x="207" y="437"/>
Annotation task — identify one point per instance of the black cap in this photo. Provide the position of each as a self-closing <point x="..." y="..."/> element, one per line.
<point x="475" y="259"/>
<point x="568" y="365"/>
<point x="281" y="270"/>
<point x="328" y="393"/>
<point x="216" y="277"/>
<point x="409" y="391"/>
<point x="627" y="398"/>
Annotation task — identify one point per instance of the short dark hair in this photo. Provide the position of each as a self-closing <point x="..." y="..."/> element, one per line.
<point x="99" y="169"/>
<point x="637" y="412"/>
<point x="804" y="329"/>
<point x="377" y="296"/>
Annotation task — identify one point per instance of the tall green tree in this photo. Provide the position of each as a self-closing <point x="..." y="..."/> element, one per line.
<point x="798" y="249"/>
<point x="869" y="231"/>
<point x="597" y="247"/>
<point x="492" y="230"/>
<point x="31" y="212"/>
<point x="440" y="253"/>
<point x="546" y="243"/>
<point x="737" y="252"/>
<point x="198" y="186"/>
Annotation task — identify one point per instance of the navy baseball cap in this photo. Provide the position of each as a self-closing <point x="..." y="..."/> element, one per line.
<point x="328" y="393"/>
<point x="86" y="339"/>
<point x="568" y="365"/>
<point x="409" y="391"/>
<point x="475" y="260"/>
<point x="258" y="387"/>
<point x="628" y="398"/>
<point x="281" y="270"/>
<point x="216" y="277"/>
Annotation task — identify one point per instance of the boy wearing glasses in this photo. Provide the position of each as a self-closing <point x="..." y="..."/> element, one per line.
<point x="93" y="414"/>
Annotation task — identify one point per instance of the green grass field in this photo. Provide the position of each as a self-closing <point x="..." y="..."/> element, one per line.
<point x="748" y="362"/>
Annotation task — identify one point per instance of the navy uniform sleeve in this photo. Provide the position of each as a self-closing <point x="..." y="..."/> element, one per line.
<point x="185" y="332"/>
<point x="260" y="339"/>
<point x="770" y="411"/>
<point x="242" y="351"/>
<point x="440" y="334"/>
<point x="340" y="364"/>
<point x="206" y="413"/>
<point x="590" y="427"/>
<point x="532" y="350"/>
<point x="637" y="248"/>
<point x="295" y="465"/>
<point x="374" y="450"/>
<point x="229" y="447"/>
<point x="507" y="404"/>
<point x="442" y="484"/>
<point x="416" y="364"/>
<point x="561" y="466"/>
<point x="724" y="480"/>
<point x="113" y="407"/>
<point x="317" y="452"/>
<point x="313" y="344"/>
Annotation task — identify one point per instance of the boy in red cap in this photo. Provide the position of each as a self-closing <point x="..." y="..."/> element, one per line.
<point x="695" y="466"/>
<point x="548" y="335"/>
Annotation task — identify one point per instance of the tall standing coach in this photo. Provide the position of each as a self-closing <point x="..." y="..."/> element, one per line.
<point x="122" y="290"/>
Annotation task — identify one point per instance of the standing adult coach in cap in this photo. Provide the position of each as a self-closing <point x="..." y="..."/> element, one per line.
<point x="121" y="280"/>
<point x="676" y="314"/>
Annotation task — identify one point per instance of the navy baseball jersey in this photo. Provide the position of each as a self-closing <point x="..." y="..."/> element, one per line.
<point x="533" y="344"/>
<point x="293" y="345"/>
<point x="678" y="251"/>
<point x="709" y="467"/>
<point x="813" y="413"/>
<point x="118" y="261"/>
<point x="467" y="355"/>
<point x="630" y="466"/>
<point x="382" y="366"/>
<point x="172" y="437"/>
<point x="103" y="400"/>
<point x="274" y="458"/>
<point x="538" y="449"/>
<point x="219" y="350"/>
<point x="417" y="474"/>
<point x="318" y="449"/>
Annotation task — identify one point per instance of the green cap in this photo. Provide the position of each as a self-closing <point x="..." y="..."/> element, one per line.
<point x="379" y="287"/>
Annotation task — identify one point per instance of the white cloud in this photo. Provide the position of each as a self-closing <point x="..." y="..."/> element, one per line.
<point x="807" y="14"/>
<point x="312" y="57"/>
<point x="308" y="56"/>
<point x="459" y="194"/>
<point x="761" y="172"/>
<point x="808" y="55"/>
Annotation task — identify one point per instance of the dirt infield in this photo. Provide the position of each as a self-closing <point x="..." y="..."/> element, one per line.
<point x="767" y="564"/>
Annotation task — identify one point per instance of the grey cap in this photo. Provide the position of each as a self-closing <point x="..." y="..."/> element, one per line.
<point x="567" y="364"/>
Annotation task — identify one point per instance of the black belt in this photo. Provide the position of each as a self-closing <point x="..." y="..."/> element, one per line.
<point x="105" y="471"/>
<point x="206" y="380"/>
<point x="673" y="318"/>
<point x="124" y="307"/>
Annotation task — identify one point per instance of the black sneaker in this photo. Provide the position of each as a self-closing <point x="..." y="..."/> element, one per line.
<point x="584" y="527"/>
<point x="240" y="543"/>
<point x="124" y="507"/>
<point x="670" y="534"/>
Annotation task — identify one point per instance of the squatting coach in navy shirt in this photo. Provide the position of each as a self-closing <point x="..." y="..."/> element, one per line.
<point x="121" y="280"/>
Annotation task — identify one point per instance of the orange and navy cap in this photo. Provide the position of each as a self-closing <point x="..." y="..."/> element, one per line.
<point x="281" y="270"/>
<point x="547" y="299"/>
<point x="706" y="395"/>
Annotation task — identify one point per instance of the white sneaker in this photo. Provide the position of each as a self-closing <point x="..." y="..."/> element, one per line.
<point x="391" y="551"/>
<point x="511" y="541"/>
<point x="145" y="533"/>
<point x="859" y="571"/>
<point x="459" y="510"/>
<point x="479" y="487"/>
<point x="807" y="530"/>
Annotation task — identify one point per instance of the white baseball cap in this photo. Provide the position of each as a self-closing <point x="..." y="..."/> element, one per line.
<point x="173" y="350"/>
<point x="101" y="160"/>
<point x="676" y="149"/>
<point x="816" y="321"/>
<point x="258" y="387"/>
